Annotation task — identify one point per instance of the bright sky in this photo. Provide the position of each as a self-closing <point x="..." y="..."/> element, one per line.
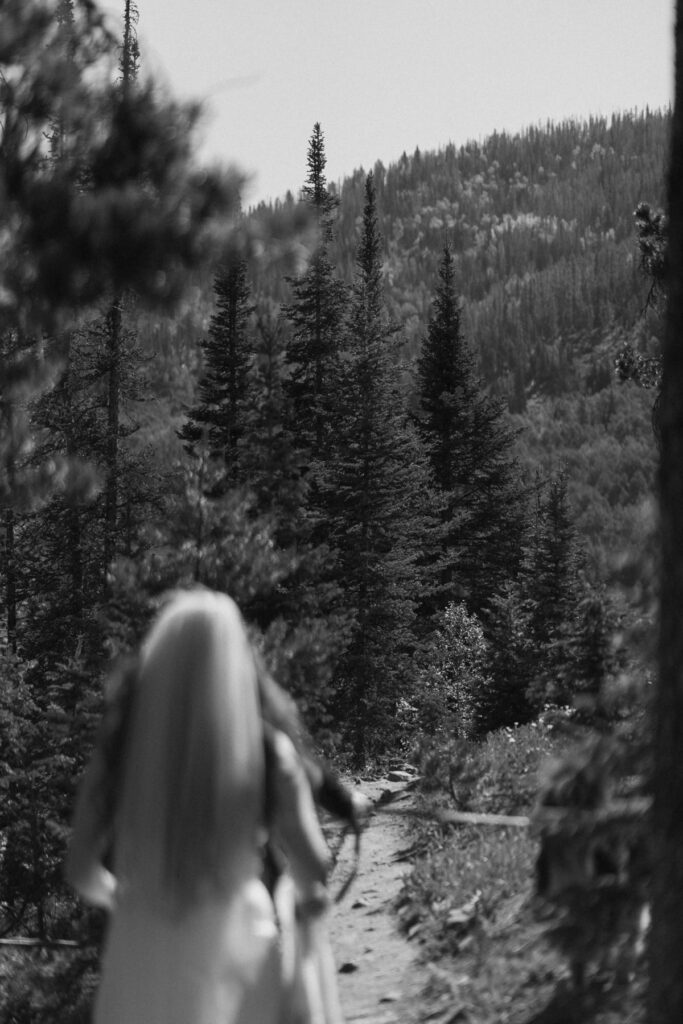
<point x="384" y="76"/>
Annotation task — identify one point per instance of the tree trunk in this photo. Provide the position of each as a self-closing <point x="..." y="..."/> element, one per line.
<point x="10" y="581"/>
<point x="666" y="984"/>
<point x="73" y="516"/>
<point x="112" y="459"/>
<point x="76" y="560"/>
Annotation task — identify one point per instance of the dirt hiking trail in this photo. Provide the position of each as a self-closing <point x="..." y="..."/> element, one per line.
<point x="380" y="981"/>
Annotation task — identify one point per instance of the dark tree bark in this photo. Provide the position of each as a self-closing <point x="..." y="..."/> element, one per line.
<point x="666" y="992"/>
<point x="10" y="580"/>
<point x="128" y="67"/>
<point x="111" y="497"/>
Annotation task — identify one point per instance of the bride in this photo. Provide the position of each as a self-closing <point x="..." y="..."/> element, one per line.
<point x="169" y="829"/>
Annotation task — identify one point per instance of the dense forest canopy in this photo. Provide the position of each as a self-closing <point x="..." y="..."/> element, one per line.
<point x="541" y="225"/>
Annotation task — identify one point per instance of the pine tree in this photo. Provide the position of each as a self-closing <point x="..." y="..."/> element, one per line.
<point x="316" y="314"/>
<point x="503" y="701"/>
<point x="113" y="322"/>
<point x="124" y="205"/>
<point x="444" y="367"/>
<point x="308" y="414"/>
<point x="64" y="538"/>
<point x="315" y="190"/>
<point x="379" y="497"/>
<point x="471" y="451"/>
<point x="552" y="594"/>
<point x="22" y="375"/>
<point x="271" y="462"/>
<point x="592" y="658"/>
<point x="218" y="419"/>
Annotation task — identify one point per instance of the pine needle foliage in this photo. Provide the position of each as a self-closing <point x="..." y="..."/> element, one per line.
<point x="218" y="420"/>
<point x="379" y="500"/>
<point x="315" y="316"/>
<point x="470" y="445"/>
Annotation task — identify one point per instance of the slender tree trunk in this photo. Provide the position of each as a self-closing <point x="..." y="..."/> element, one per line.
<point x="666" y="985"/>
<point x="319" y="421"/>
<point x="111" y="496"/>
<point x="73" y="517"/>
<point x="38" y="876"/>
<point x="10" y="581"/>
<point x="201" y="517"/>
<point x="128" y="67"/>
<point x="10" y="548"/>
<point x="76" y="558"/>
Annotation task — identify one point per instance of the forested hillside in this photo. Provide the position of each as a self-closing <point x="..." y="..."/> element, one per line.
<point x="549" y="284"/>
<point x="542" y="227"/>
<point x="548" y="272"/>
<point x="542" y="224"/>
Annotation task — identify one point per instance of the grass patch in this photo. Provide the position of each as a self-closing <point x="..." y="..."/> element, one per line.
<point x="470" y="869"/>
<point x="489" y="943"/>
<point x="462" y="865"/>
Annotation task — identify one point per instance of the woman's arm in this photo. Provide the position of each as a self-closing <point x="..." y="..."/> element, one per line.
<point x="84" y="868"/>
<point x="295" y="819"/>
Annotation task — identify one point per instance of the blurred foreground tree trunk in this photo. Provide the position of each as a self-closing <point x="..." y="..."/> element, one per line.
<point x="666" y="941"/>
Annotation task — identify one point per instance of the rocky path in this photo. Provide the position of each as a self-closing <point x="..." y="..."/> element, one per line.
<point x="380" y="981"/>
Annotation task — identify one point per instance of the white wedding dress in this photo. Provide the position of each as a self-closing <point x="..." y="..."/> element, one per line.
<point x="221" y="961"/>
<point x="217" y="964"/>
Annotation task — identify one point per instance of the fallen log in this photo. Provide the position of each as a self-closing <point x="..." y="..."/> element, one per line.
<point x="472" y="818"/>
<point x="28" y="943"/>
<point x="460" y="817"/>
<point x="544" y="817"/>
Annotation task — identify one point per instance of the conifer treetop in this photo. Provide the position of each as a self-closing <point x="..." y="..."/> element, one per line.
<point x="315" y="191"/>
<point x="369" y="250"/>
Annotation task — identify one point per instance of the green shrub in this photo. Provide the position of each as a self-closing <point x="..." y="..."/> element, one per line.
<point x="498" y="774"/>
<point x="507" y="766"/>
<point x="452" y="675"/>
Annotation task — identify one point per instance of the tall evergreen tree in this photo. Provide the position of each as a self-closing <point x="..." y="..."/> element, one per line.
<point x="271" y="462"/>
<point x="20" y="481"/>
<point x="471" y="451"/>
<point x="592" y="657"/>
<point x="113" y="322"/>
<point x="379" y="500"/>
<point x="552" y="593"/>
<point x="316" y="314"/>
<point x="64" y="538"/>
<point x="218" y="419"/>
<point x="503" y="700"/>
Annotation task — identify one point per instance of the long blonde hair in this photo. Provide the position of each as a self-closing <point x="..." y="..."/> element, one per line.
<point x="192" y="792"/>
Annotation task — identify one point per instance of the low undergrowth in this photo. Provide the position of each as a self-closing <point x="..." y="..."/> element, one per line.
<point x="495" y="950"/>
<point x="484" y="866"/>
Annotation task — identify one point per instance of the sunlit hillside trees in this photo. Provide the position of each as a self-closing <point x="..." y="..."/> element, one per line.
<point x="541" y="223"/>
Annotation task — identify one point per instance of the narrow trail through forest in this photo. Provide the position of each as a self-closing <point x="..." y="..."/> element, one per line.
<point x="380" y="980"/>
